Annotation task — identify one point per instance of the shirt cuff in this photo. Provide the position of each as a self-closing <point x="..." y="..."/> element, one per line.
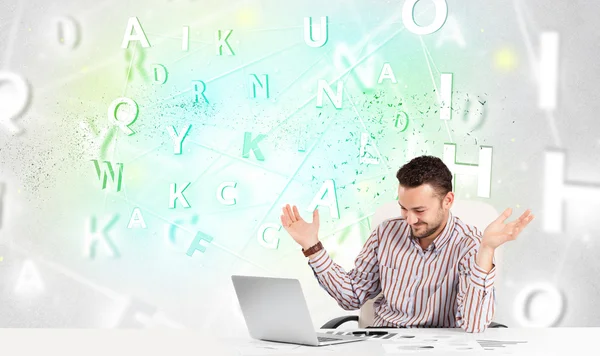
<point x="481" y="279"/>
<point x="320" y="262"/>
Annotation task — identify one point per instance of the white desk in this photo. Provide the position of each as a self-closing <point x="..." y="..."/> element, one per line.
<point x="111" y="342"/>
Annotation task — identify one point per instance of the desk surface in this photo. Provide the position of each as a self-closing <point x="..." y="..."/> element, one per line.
<point x="512" y="341"/>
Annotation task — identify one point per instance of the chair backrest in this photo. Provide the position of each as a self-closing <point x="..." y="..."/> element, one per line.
<point x="473" y="213"/>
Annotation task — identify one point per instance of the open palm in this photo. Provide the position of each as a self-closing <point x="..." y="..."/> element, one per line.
<point x="304" y="233"/>
<point x="499" y="232"/>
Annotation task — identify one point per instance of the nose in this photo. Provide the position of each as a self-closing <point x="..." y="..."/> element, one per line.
<point x="411" y="219"/>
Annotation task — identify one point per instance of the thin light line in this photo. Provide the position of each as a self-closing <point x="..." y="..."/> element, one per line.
<point x="440" y="73"/>
<point x="78" y="75"/>
<point x="237" y="208"/>
<point x="116" y="138"/>
<point x="94" y="9"/>
<point x="329" y="24"/>
<point x="135" y="204"/>
<point x="176" y="38"/>
<point x="448" y="131"/>
<point x="124" y="186"/>
<point x="144" y="153"/>
<point x="290" y="180"/>
<point x="387" y="167"/>
<point x="129" y="69"/>
<point x="532" y="63"/>
<point x="117" y="56"/>
<point x="331" y="233"/>
<point x="112" y="160"/>
<point x="217" y="159"/>
<point x="301" y="74"/>
<point x="340" y="76"/>
<point x="337" y="78"/>
<point x="374" y="176"/>
<point x="526" y="39"/>
<point x="562" y="261"/>
<point x="430" y="57"/>
<point x="553" y="128"/>
<point x="223" y="74"/>
<point x="246" y="161"/>
<point x="235" y="158"/>
<point x="104" y="290"/>
<point x="122" y="299"/>
<point x="187" y="55"/>
<point x="375" y="32"/>
<point x="437" y="92"/>
<point x="13" y="35"/>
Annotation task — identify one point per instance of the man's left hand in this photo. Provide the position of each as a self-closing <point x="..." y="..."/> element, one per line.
<point x="498" y="232"/>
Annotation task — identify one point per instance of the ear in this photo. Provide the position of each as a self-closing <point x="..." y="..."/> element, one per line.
<point x="448" y="200"/>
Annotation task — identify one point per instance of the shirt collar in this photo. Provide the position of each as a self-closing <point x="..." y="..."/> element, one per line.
<point x="444" y="236"/>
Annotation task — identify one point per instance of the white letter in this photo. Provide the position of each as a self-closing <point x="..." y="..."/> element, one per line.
<point x="261" y="236"/>
<point x="321" y="36"/>
<point x="483" y="171"/>
<point x="365" y="156"/>
<point x="441" y="12"/>
<point x="178" y="139"/>
<point x="29" y="281"/>
<point x="185" y="38"/>
<point x="548" y="74"/>
<point x="446" y="96"/>
<point x="325" y="88"/>
<point x="451" y="32"/>
<point x="136" y="219"/>
<point x="93" y="236"/>
<point x="558" y="191"/>
<point x="134" y="24"/>
<point x="221" y="193"/>
<point x="387" y="73"/>
<point x="254" y="82"/>
<point x="103" y="174"/>
<point x="327" y="189"/>
<point x="550" y="306"/>
<point x="68" y="31"/>
<point x="18" y="104"/>
<point x="220" y="42"/>
<point x="164" y="71"/>
<point x="174" y="194"/>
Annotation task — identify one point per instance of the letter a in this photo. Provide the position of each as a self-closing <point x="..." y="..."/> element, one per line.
<point x="134" y="24"/>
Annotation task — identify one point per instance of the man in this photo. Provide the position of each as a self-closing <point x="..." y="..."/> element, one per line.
<point x="433" y="269"/>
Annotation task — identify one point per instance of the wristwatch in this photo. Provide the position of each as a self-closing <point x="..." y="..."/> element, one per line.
<point x="313" y="249"/>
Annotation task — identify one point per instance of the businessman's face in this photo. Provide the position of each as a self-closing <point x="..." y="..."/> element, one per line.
<point x="424" y="211"/>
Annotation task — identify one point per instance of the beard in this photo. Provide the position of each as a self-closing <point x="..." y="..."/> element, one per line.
<point x="427" y="231"/>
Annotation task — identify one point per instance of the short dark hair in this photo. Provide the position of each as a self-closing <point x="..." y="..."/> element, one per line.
<point x="426" y="169"/>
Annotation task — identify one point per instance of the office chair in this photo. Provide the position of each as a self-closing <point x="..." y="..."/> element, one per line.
<point x="473" y="213"/>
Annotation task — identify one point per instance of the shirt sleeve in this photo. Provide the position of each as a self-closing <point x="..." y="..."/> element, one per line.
<point x="350" y="289"/>
<point x="476" y="295"/>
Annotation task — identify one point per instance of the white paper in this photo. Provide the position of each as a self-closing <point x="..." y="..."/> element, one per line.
<point x="266" y="348"/>
<point x="404" y="343"/>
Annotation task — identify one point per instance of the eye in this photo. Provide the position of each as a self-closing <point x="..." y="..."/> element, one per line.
<point x="420" y="211"/>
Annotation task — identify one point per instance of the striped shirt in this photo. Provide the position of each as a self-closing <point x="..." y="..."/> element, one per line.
<point x="440" y="286"/>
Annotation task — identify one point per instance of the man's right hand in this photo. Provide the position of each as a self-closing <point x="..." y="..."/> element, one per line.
<point x="304" y="233"/>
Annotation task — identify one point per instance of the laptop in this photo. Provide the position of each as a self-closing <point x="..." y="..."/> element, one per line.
<point x="275" y="310"/>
